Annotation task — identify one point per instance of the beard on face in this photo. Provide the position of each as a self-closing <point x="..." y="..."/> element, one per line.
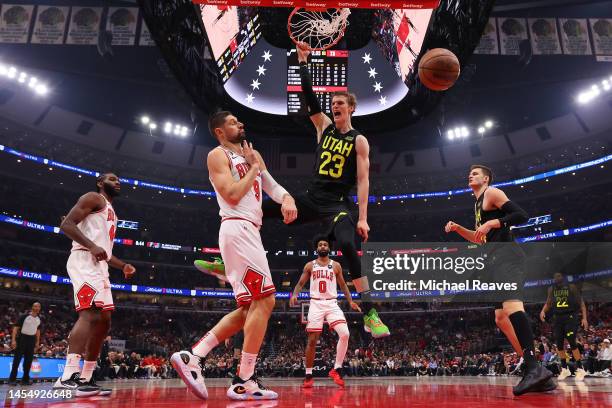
<point x="110" y="190"/>
<point x="239" y="138"/>
<point x="323" y="253"/>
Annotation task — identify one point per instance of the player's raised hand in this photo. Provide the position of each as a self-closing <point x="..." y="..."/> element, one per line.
<point x="303" y="51"/>
<point x="288" y="209"/>
<point x="362" y="229"/>
<point x="249" y="153"/>
<point x="128" y="271"/>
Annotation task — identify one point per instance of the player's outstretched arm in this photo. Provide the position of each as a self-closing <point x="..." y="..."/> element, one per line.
<point x="465" y="233"/>
<point x="344" y="287"/>
<point x="298" y="287"/>
<point x="87" y="204"/>
<point x="231" y="190"/>
<point x="362" y="148"/>
<point x="277" y="193"/>
<point x="320" y="120"/>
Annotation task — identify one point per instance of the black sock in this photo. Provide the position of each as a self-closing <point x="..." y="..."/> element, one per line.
<point x="308" y="376"/>
<point x="525" y="337"/>
<point x="365" y="307"/>
<point x="564" y="362"/>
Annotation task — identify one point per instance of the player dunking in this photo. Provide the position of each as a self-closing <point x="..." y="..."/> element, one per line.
<point x="91" y="224"/>
<point x="325" y="275"/>
<point x="494" y="215"/>
<point x="238" y="175"/>
<point x="342" y="160"/>
<point x="564" y="299"/>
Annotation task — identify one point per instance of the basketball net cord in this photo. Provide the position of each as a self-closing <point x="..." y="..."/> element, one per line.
<point x="319" y="29"/>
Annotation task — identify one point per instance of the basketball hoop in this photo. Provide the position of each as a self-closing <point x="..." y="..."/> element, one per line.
<point x="320" y="29"/>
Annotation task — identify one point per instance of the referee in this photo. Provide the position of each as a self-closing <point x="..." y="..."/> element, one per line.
<point x="25" y="339"/>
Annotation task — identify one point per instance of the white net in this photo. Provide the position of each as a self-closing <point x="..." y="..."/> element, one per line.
<point x="319" y="29"/>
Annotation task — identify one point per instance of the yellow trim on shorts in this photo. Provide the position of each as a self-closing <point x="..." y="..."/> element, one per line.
<point x="341" y="214"/>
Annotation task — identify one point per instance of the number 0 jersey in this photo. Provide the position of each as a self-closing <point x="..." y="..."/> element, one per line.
<point x="335" y="169"/>
<point x="323" y="284"/>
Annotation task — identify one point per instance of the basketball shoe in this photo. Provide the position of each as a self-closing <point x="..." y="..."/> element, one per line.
<point x="336" y="375"/>
<point x="251" y="389"/>
<point x="532" y="380"/>
<point x="565" y="372"/>
<point x="372" y="324"/>
<point x="189" y="368"/>
<point x="308" y="381"/>
<point x="215" y="268"/>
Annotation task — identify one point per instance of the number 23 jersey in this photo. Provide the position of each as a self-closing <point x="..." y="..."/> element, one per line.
<point x="335" y="169"/>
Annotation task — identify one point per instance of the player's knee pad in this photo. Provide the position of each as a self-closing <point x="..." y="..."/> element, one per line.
<point x="343" y="332"/>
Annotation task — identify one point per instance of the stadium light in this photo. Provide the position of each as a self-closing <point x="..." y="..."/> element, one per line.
<point x="170" y="128"/>
<point x="12" y="72"/>
<point x="450" y="134"/>
<point x="489" y="124"/>
<point x="481" y="130"/>
<point x="465" y="132"/>
<point x="152" y="126"/>
<point x="41" y="89"/>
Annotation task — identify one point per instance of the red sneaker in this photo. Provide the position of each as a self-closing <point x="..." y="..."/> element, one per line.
<point x="308" y="382"/>
<point x="337" y="377"/>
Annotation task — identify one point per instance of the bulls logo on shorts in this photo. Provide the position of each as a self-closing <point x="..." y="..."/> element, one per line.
<point x="85" y="295"/>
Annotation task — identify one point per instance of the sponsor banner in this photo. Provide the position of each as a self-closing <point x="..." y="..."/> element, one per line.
<point x="601" y="29"/>
<point x="84" y="25"/>
<point x="41" y="367"/>
<point x="121" y="22"/>
<point x="15" y="23"/>
<point x="50" y="25"/>
<point x="394" y="4"/>
<point x="511" y="32"/>
<point x="489" y="43"/>
<point x="575" y="36"/>
<point x="544" y="36"/>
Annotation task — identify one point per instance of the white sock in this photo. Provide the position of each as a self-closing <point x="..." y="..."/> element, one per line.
<point x="247" y="365"/>
<point x="309" y="371"/>
<point x="88" y="369"/>
<point x="343" y="340"/>
<point x="72" y="366"/>
<point x="208" y="342"/>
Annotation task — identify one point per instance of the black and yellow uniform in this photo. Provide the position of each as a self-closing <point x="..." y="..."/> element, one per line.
<point x="326" y="199"/>
<point x="503" y="234"/>
<point x="565" y="307"/>
<point x="506" y="259"/>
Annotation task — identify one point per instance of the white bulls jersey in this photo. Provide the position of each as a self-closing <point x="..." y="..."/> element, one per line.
<point x="323" y="284"/>
<point x="99" y="227"/>
<point x="249" y="207"/>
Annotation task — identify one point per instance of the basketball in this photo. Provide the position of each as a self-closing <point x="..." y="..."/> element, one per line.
<point x="439" y="69"/>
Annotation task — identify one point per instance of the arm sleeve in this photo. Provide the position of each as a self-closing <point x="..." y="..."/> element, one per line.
<point x="311" y="99"/>
<point x="515" y="215"/>
<point x="272" y="188"/>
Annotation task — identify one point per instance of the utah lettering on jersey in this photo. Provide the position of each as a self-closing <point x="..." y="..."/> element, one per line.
<point x="334" y="145"/>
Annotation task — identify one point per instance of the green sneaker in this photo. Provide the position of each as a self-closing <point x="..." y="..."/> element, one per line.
<point x="215" y="268"/>
<point x="373" y="325"/>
